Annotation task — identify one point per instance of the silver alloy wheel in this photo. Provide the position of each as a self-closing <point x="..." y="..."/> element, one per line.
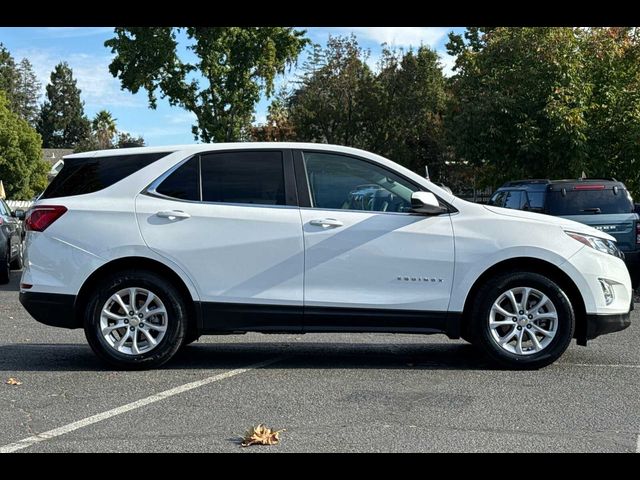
<point x="133" y="321"/>
<point x="523" y="321"/>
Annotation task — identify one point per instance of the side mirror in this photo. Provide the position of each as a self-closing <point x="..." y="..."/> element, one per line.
<point x="19" y="214"/>
<point x="426" y="203"/>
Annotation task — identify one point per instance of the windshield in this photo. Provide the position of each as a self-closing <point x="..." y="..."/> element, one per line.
<point x="585" y="202"/>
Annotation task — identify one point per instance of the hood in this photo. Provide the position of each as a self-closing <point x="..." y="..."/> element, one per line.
<point x="565" y="224"/>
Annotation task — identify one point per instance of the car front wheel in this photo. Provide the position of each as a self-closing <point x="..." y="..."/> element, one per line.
<point x="522" y="320"/>
<point x="135" y="320"/>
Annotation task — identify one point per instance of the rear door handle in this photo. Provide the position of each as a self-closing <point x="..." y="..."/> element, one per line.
<point x="326" y="222"/>
<point x="173" y="214"/>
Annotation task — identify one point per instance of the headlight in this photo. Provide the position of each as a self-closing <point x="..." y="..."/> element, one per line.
<point x="600" y="244"/>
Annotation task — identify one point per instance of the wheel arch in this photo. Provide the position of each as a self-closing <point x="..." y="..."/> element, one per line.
<point x="140" y="263"/>
<point x="534" y="265"/>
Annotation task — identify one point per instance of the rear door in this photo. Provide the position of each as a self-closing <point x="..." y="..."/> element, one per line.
<point x="230" y="221"/>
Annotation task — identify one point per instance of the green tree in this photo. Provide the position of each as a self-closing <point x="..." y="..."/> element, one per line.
<point x="612" y="60"/>
<point x="104" y="128"/>
<point x="405" y="110"/>
<point x="234" y="66"/>
<point x="126" y="140"/>
<point x="62" y="122"/>
<point x="20" y="85"/>
<point x="22" y="170"/>
<point x="328" y="105"/>
<point x="519" y="104"/>
<point x="278" y="126"/>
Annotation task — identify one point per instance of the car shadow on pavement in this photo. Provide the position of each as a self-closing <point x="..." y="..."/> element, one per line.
<point x="298" y="355"/>
<point x="14" y="282"/>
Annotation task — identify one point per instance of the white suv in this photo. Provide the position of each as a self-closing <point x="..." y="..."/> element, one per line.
<point x="148" y="248"/>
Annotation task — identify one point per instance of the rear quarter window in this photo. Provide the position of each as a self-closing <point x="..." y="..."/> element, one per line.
<point x="87" y="175"/>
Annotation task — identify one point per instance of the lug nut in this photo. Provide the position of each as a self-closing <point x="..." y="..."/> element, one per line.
<point x="519" y="327"/>
<point x="530" y="316"/>
<point x="528" y="325"/>
<point x="131" y="313"/>
<point x="127" y="321"/>
<point x="133" y="328"/>
<point x="140" y="315"/>
<point x="141" y="325"/>
<point x="521" y="312"/>
<point x="514" y="319"/>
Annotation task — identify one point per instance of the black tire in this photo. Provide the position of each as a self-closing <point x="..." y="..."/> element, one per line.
<point x="5" y="269"/>
<point x="481" y="332"/>
<point x="177" y="319"/>
<point x="17" y="263"/>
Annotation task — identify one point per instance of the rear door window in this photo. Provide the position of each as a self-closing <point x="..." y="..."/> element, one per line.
<point x="589" y="201"/>
<point x="183" y="183"/>
<point x="243" y="177"/>
<point x="87" y="175"/>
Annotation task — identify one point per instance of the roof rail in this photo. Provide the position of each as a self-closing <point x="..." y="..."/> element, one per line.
<point x="522" y="182"/>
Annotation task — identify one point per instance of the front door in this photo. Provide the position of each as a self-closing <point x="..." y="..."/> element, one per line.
<point x="366" y="254"/>
<point x="229" y="222"/>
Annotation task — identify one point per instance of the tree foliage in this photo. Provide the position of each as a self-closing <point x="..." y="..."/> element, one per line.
<point x="126" y="140"/>
<point x="519" y="101"/>
<point x="22" y="170"/>
<point x="104" y="135"/>
<point x="62" y="122"/>
<point x="20" y="85"/>
<point x="234" y="66"/>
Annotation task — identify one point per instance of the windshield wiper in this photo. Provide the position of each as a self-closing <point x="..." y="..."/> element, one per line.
<point x="592" y="210"/>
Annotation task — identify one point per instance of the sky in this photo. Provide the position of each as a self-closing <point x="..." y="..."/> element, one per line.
<point x="83" y="48"/>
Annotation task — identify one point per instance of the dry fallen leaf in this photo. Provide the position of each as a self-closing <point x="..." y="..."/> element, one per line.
<point x="13" y="381"/>
<point x="261" y="435"/>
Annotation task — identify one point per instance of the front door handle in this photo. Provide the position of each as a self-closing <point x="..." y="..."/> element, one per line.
<point x="173" y="214"/>
<point x="326" y="222"/>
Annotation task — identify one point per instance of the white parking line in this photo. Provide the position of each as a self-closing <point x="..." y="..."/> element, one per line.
<point x="56" y="432"/>
<point x="611" y="365"/>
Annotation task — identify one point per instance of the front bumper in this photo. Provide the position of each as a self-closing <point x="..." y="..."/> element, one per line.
<point x="54" y="309"/>
<point x="600" y="324"/>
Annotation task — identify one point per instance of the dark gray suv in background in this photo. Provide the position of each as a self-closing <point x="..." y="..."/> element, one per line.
<point x="10" y="241"/>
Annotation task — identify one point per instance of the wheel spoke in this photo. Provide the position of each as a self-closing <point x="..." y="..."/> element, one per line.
<point x="534" y="340"/>
<point x="112" y="315"/>
<point x="111" y="328"/>
<point x="158" y="328"/>
<point x="500" y="323"/>
<point x="543" y="301"/>
<point x="508" y="337"/>
<point x="150" y="339"/>
<point x="519" y="342"/>
<point x="502" y="311"/>
<point x="119" y="344"/>
<point x="132" y="299"/>
<point x="120" y="302"/>
<point x="150" y="298"/>
<point x="541" y="316"/>
<point x="525" y="298"/>
<point x="512" y="297"/>
<point x="542" y="331"/>
<point x="134" y="343"/>
<point x="156" y="311"/>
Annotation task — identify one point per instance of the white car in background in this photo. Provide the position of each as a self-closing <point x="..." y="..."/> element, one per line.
<point x="148" y="248"/>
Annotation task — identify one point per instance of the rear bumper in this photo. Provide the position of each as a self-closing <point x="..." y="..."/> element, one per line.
<point x="53" y="309"/>
<point x="601" y="324"/>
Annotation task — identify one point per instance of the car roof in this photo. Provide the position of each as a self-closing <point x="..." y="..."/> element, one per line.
<point x="207" y="147"/>
<point x="546" y="184"/>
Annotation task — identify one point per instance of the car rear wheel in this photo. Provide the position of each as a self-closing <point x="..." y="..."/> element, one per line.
<point x="135" y="320"/>
<point x="522" y="320"/>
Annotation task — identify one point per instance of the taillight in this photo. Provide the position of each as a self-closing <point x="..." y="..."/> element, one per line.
<point x="41" y="217"/>
<point x="638" y="232"/>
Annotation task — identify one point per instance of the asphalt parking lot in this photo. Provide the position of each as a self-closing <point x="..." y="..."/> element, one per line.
<point x="332" y="393"/>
